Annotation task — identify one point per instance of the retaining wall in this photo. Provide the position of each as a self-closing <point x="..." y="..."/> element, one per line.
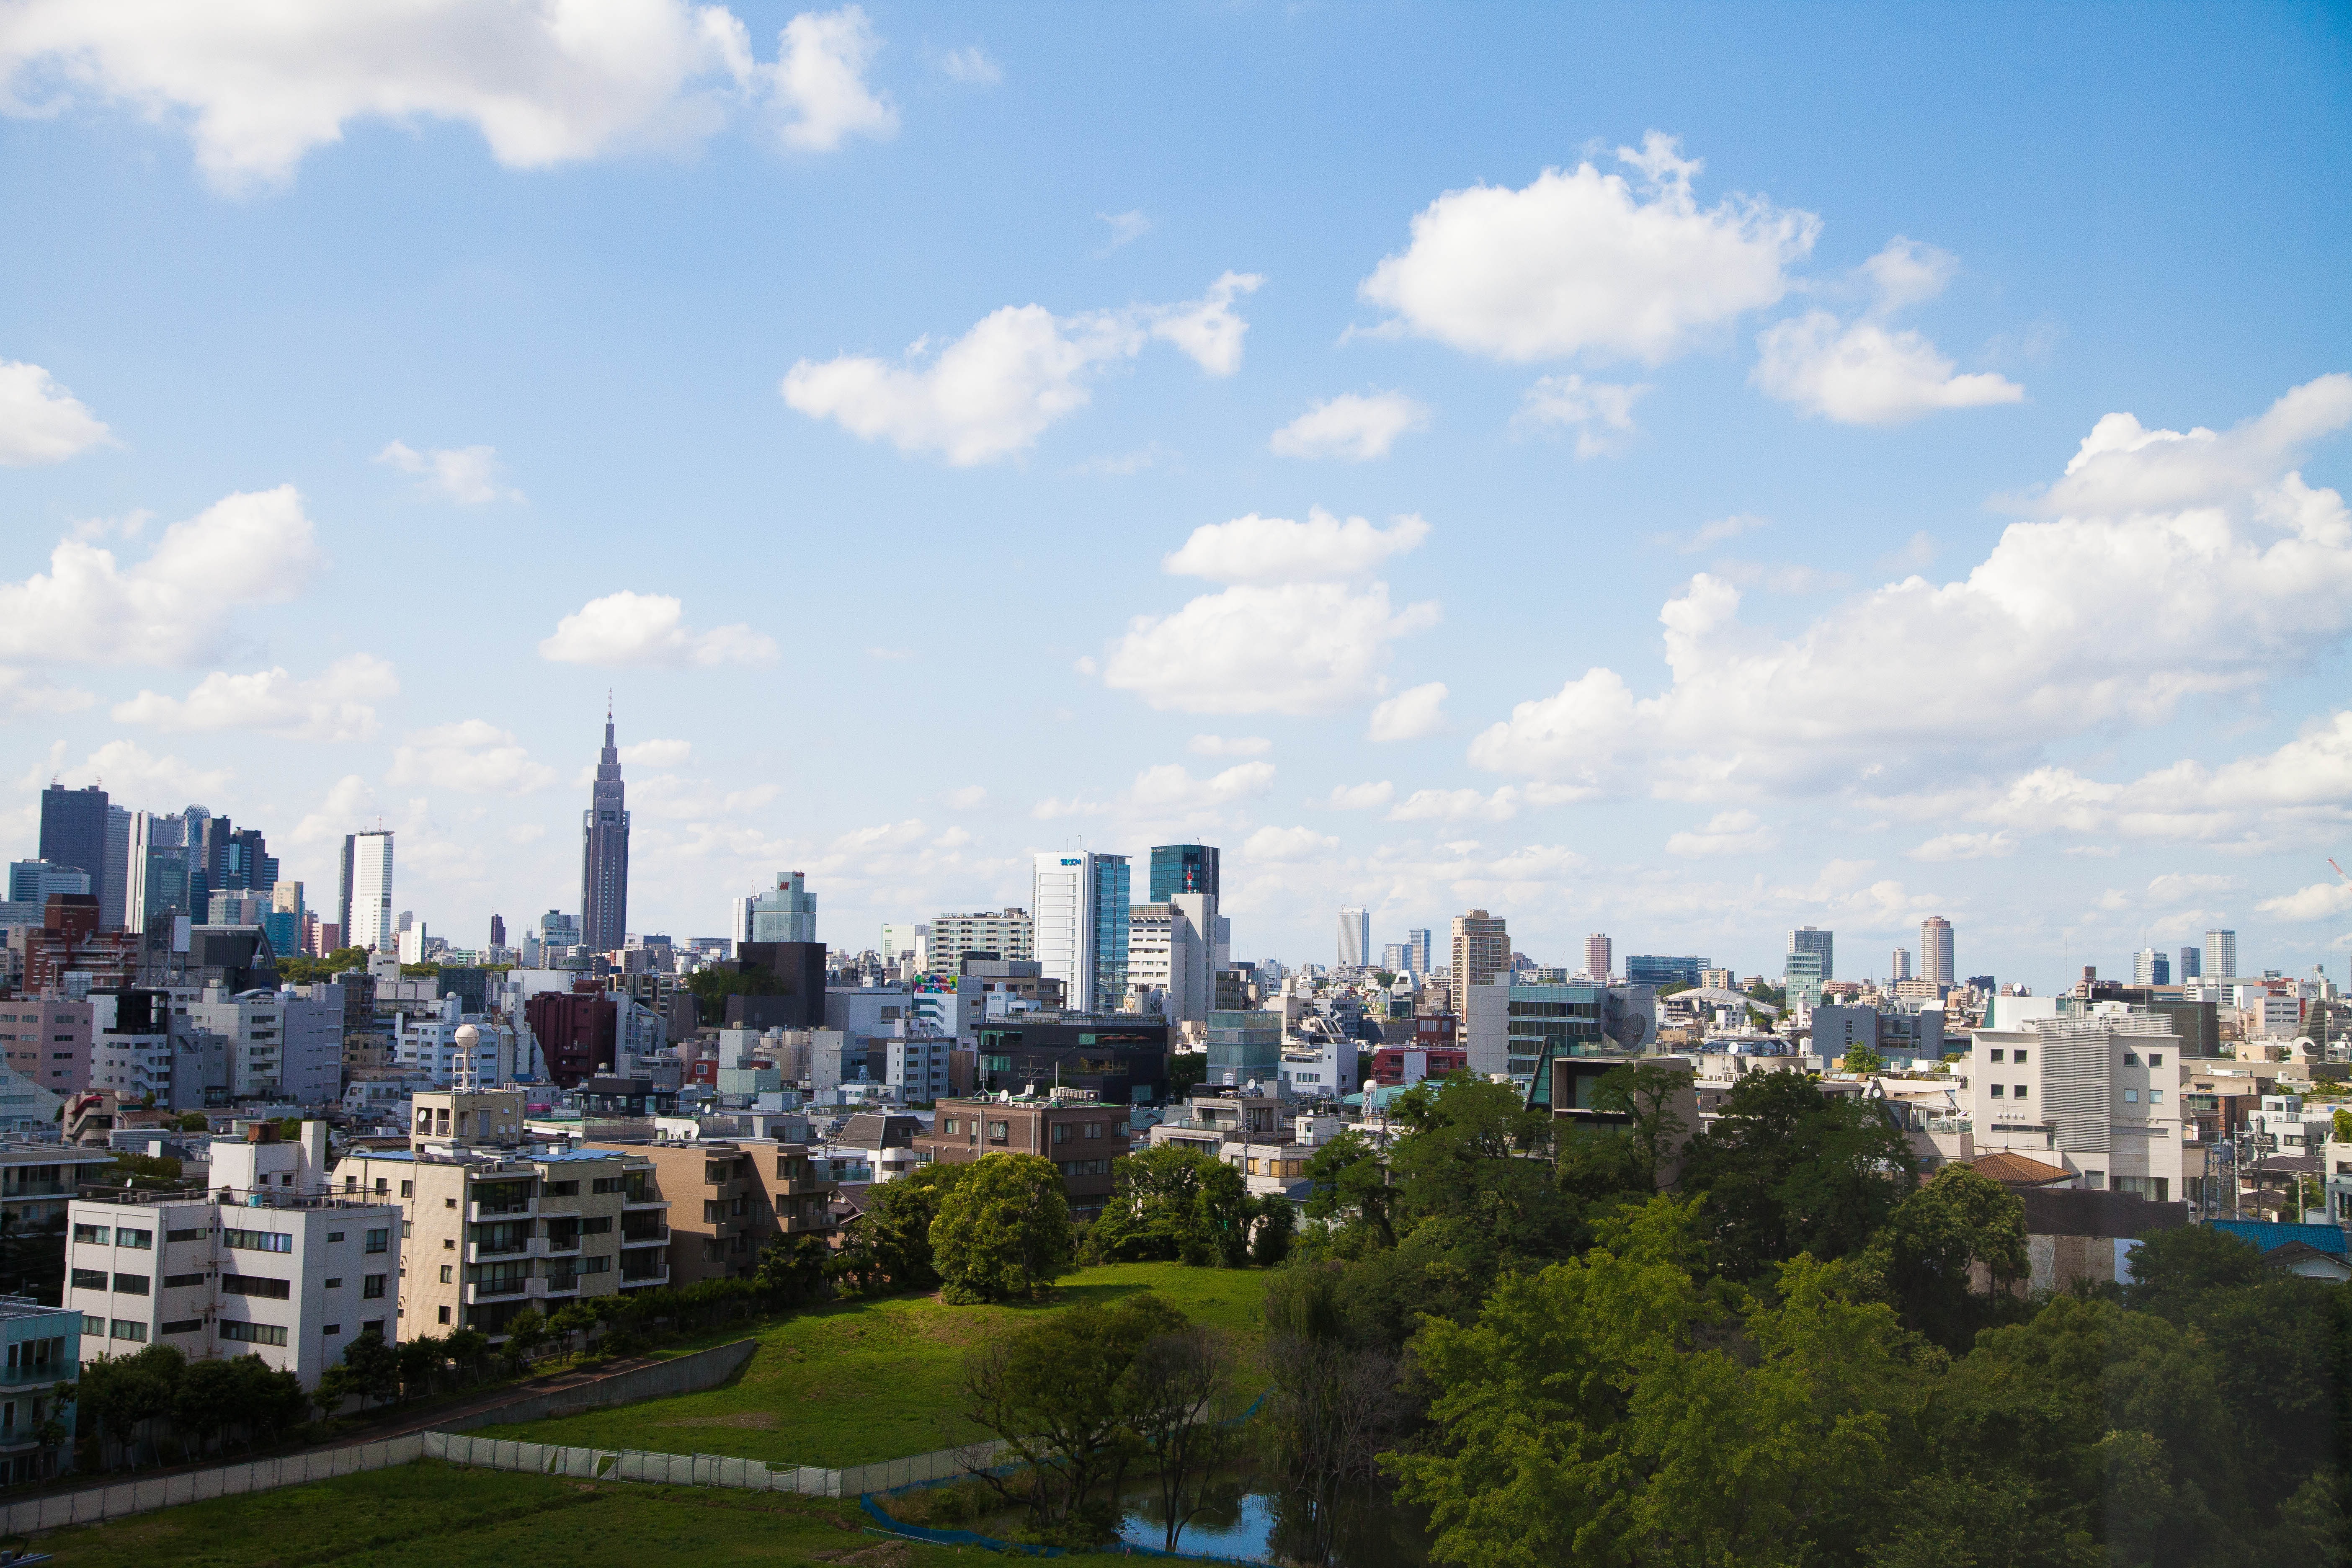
<point x="680" y="1375"/>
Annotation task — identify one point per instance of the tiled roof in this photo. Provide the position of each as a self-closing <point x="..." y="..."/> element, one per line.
<point x="2017" y="1171"/>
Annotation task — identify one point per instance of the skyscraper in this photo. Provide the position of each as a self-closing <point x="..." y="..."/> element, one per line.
<point x="2192" y="964"/>
<point x="2151" y="966"/>
<point x="1822" y="943"/>
<point x="786" y="913"/>
<point x="1416" y="950"/>
<point x="1599" y="955"/>
<point x="1355" y="938"/>
<point x="1935" y="950"/>
<point x="73" y="831"/>
<point x="1482" y="950"/>
<point x="367" y="857"/>
<point x="1899" y="967"/>
<point x="1081" y="921"/>
<point x="2220" y="947"/>
<point x="1182" y="868"/>
<point x="157" y="868"/>
<point x="604" y="855"/>
<point x="113" y="886"/>
<point x="498" y="932"/>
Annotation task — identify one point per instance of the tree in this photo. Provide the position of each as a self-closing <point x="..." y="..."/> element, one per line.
<point x="1174" y="1202"/>
<point x="793" y="1268"/>
<point x="467" y="1347"/>
<point x="1348" y="1182"/>
<point x="192" y="1122"/>
<point x="1004" y="1232"/>
<point x="1333" y="1401"/>
<point x="418" y="1360"/>
<point x="889" y="1245"/>
<point x="526" y="1332"/>
<point x="1175" y="1392"/>
<point x="1863" y="1060"/>
<point x="1924" y="1255"/>
<point x="1472" y="1150"/>
<point x="1277" y="1222"/>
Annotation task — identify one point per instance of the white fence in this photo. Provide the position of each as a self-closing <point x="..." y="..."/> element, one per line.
<point x="704" y="1469"/>
<point x="96" y="1503"/>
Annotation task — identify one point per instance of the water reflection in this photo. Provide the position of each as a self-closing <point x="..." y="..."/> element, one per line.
<point x="1367" y="1528"/>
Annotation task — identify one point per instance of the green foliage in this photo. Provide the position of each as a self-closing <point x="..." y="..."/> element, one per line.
<point x="1174" y="1203"/>
<point x="1863" y="1060"/>
<point x="130" y="1406"/>
<point x="1187" y="1071"/>
<point x="193" y="1122"/>
<point x="143" y="1173"/>
<point x="889" y="1245"/>
<point x="419" y="970"/>
<point x="1277" y="1222"/>
<point x="1922" y="1258"/>
<point x="1347" y="1185"/>
<point x="299" y="969"/>
<point x="792" y="1270"/>
<point x="2341" y="1125"/>
<point x="713" y="984"/>
<point x="1787" y="1169"/>
<point x="1004" y="1232"/>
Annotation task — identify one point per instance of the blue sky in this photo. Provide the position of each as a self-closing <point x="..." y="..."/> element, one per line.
<point x="856" y="384"/>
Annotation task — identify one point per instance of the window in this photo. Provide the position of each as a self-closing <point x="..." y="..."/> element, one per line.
<point x="333" y="1328"/>
<point x="563" y="1189"/>
<point x="2155" y="1097"/>
<point x="90" y="1279"/>
<point x="379" y="1240"/>
<point x="2018" y="1093"/>
<point x="2156" y="1058"/>
<point x="2131" y="1097"/>
<point x="1996" y="1091"/>
<point x="1996" y="1053"/>
<point x="254" y="1285"/>
<point x="1094" y="1129"/>
<point x="334" y="1284"/>
<point x="444" y="1314"/>
<point x="1061" y="1132"/>
<point x="713" y="1211"/>
<point x="594" y="1265"/>
<point x="258" y="1333"/>
<point x="372" y="1288"/>
<point x="125" y="1329"/>
<point x="373" y="1326"/>
<point x="605" y="1184"/>
<point x="408" y="1189"/>
<point x="334" y="1235"/>
<point x="2017" y="1056"/>
<point x="96" y="1234"/>
<point x="448" y="1202"/>
<point x="131" y="1284"/>
<point x="176" y="1281"/>
<point x="257" y="1240"/>
<point x="197" y="1235"/>
<point x="125" y="1237"/>
<point x="946" y="1130"/>
<point x="597" y="1224"/>
<point x="181" y="1326"/>
<point x="1000" y="1132"/>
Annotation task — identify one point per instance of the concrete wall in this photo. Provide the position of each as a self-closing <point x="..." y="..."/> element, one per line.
<point x="685" y="1375"/>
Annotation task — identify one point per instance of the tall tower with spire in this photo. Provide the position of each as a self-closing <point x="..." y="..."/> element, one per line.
<point x="605" y="854"/>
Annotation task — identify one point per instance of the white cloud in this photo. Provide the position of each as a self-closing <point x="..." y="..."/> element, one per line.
<point x="1360" y="798"/>
<point x="348" y="805"/>
<point x="1457" y="806"/>
<point x="1288" y="843"/>
<point x="471" y="757"/>
<point x="1866" y="371"/>
<point x="1229" y="745"/>
<point x="1255" y="548"/>
<point x="2107" y="616"/>
<point x="1170" y="787"/>
<point x="1410" y="715"/>
<point x="1716" y="532"/>
<point x="132" y="773"/>
<point x="1965" y="846"/>
<point x="1601" y="413"/>
<point x="1727" y="833"/>
<point x="41" y="422"/>
<point x="1052" y="807"/>
<point x="647" y="629"/>
<point x="1581" y="263"/>
<point x="1126" y="228"/>
<point x="819" y="79"/>
<point x="336" y="705"/>
<point x="465" y="475"/>
<point x="544" y="82"/>
<point x="1293" y="647"/>
<point x="966" y="798"/>
<point x="1353" y="425"/>
<point x="972" y="64"/>
<point x="25" y="694"/>
<point x="184" y="602"/>
<point x="2319" y="900"/>
<point x="993" y="392"/>
<point x="646" y="755"/>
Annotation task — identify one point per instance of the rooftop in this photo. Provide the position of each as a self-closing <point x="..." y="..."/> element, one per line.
<point x="25" y="1307"/>
<point x="2017" y="1171"/>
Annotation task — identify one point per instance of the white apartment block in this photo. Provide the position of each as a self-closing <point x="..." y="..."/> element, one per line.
<point x="1172" y="948"/>
<point x="918" y="1069"/>
<point x="1008" y="933"/>
<point x="2100" y="1094"/>
<point x="263" y="1264"/>
<point x="278" y="1044"/>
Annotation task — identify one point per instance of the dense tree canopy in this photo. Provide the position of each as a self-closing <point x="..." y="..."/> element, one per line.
<point x="1003" y="1231"/>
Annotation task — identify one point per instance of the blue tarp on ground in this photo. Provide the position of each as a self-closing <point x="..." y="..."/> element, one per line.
<point x="2269" y="1234"/>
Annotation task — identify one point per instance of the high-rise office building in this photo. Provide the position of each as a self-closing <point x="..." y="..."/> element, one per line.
<point x="1803" y="975"/>
<point x="1182" y="868"/>
<point x="498" y="932"/>
<point x="2220" y="951"/>
<point x="1416" y="950"/>
<point x="366" y="894"/>
<point x="112" y="886"/>
<point x="1355" y="938"/>
<point x="1936" y="964"/>
<point x="1598" y="956"/>
<point x="2192" y="964"/>
<point x="34" y="881"/>
<point x="157" y="868"/>
<point x="1482" y="950"/>
<point x="605" y="854"/>
<point x="73" y="831"/>
<point x="2151" y="966"/>
<point x="1081" y="919"/>
<point x="1899" y="967"/>
<point x="1009" y="935"/>
<point x="1822" y="943"/>
<point x="786" y="913"/>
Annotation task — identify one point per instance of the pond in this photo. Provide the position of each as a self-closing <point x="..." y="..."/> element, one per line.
<point x="1370" y="1528"/>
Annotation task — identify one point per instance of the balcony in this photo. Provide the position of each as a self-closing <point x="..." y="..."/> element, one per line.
<point x="649" y="1235"/>
<point x="495" y="1290"/>
<point x="804" y="1224"/>
<point x="804" y="1186"/>
<point x="488" y="1252"/>
<point x="635" y="1200"/>
<point x="479" y="1210"/>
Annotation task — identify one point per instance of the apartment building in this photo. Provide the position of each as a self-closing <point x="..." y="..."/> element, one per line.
<point x="2099" y="1092"/>
<point x="1081" y="1136"/>
<point x="47" y="1042"/>
<point x="43" y="1348"/>
<point x="37" y="1181"/>
<point x="492" y="1227"/>
<point x="266" y="1263"/>
<point x="728" y="1200"/>
<point x="278" y="1044"/>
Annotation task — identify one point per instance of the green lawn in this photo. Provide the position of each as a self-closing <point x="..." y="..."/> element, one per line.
<point x="429" y="1515"/>
<point x="852" y="1384"/>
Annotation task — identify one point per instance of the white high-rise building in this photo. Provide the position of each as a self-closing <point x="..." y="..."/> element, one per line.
<point x="1008" y="933"/>
<point x="1081" y="923"/>
<point x="369" y="857"/>
<point x="1822" y="943"/>
<point x="1355" y="938"/>
<point x="905" y="939"/>
<point x="2221" y="955"/>
<point x="1899" y="967"/>
<point x="1598" y="956"/>
<point x="1173" y="949"/>
<point x="1935" y="950"/>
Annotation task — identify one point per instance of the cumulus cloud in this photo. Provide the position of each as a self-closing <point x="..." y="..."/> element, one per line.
<point x="1965" y="846"/>
<point x="1410" y="715"/>
<point x="1229" y="745"/>
<point x="649" y="629"/>
<point x="1170" y="787"/>
<point x="993" y="392"/>
<point x="22" y="693"/>
<point x="1600" y="413"/>
<point x="41" y="422"/>
<point x="184" y="602"/>
<point x="338" y="704"/>
<point x="1582" y="263"/>
<point x="1354" y="425"/>
<point x="1360" y="798"/>
<point x="1727" y="833"/>
<point x="1288" y="843"/>
<point x="1867" y="370"/>
<point x="348" y="803"/>
<point x="1255" y="548"/>
<point x="2178" y="566"/>
<point x="966" y="798"/>
<point x="471" y="757"/>
<point x="131" y="772"/>
<point x="467" y="475"/>
<point x="545" y="84"/>
<point x="645" y="755"/>
<point x="1457" y="806"/>
<point x="1126" y="228"/>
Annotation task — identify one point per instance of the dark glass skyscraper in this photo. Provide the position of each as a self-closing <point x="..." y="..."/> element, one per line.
<point x="1182" y="868"/>
<point x="604" y="855"/>
<point x="73" y="829"/>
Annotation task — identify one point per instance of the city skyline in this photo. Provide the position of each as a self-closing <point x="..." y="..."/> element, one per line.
<point x="1270" y="476"/>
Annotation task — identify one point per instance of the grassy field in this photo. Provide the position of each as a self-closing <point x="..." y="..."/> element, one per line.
<point x="429" y="1515"/>
<point x="852" y="1384"/>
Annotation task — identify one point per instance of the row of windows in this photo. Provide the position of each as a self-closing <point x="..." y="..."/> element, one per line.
<point x="257" y="1240"/>
<point x="124" y="1284"/>
<point x="255" y="1285"/>
<point x="123" y="1235"/>
<point x="1086" y="1167"/>
<point x="254" y="1333"/>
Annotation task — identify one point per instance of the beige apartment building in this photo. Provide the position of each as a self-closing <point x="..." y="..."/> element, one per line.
<point x="730" y="1199"/>
<point x="490" y="1228"/>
